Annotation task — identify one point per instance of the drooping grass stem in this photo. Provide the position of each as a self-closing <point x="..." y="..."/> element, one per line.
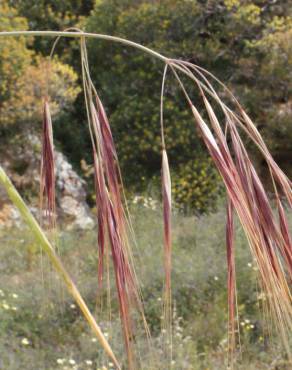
<point x="87" y="35"/>
<point x="56" y="262"/>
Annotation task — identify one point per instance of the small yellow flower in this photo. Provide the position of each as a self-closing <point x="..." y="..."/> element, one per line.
<point x="88" y="362"/>
<point x="14" y="295"/>
<point x="60" y="361"/>
<point x="72" y="362"/>
<point x="93" y="340"/>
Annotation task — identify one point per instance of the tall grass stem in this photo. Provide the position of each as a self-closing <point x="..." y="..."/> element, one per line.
<point x="55" y="260"/>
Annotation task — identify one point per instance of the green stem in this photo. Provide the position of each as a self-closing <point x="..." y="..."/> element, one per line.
<point x="56" y="262"/>
<point x="88" y="35"/>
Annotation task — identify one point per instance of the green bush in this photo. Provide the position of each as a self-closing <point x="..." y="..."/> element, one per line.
<point x="196" y="186"/>
<point x="129" y="82"/>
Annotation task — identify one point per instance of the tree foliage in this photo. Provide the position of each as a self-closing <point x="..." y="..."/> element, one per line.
<point x="26" y="77"/>
<point x="51" y="15"/>
<point x="15" y="55"/>
<point x="44" y="78"/>
<point x="246" y="43"/>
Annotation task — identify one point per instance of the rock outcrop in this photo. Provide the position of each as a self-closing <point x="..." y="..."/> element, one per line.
<point x="22" y="166"/>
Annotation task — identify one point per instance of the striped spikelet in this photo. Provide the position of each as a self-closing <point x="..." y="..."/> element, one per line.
<point x="268" y="239"/>
<point x="285" y="234"/>
<point x="250" y="202"/>
<point x="47" y="177"/>
<point x="112" y="222"/>
<point x="111" y="215"/>
<point x="231" y="281"/>
<point x="166" y="199"/>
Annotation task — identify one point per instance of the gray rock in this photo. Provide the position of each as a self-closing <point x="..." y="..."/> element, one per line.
<point x="22" y="166"/>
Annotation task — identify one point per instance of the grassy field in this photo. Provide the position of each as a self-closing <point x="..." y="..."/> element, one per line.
<point x="41" y="327"/>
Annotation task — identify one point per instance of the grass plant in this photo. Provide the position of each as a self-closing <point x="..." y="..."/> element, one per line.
<point x="267" y="235"/>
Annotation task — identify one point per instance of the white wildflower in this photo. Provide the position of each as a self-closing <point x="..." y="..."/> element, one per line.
<point x="5" y="306"/>
<point x="25" y="342"/>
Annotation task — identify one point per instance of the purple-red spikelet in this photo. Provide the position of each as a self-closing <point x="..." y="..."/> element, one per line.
<point x="250" y="201"/>
<point x="112" y="222"/>
<point x="166" y="198"/>
<point x="47" y="177"/>
<point x="286" y="235"/>
<point x="100" y="191"/>
<point x="231" y="279"/>
<point x="280" y="177"/>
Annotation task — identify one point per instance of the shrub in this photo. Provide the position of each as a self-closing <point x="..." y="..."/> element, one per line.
<point x="197" y="186"/>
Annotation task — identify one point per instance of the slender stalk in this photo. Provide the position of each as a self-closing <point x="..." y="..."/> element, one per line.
<point x="56" y="262"/>
<point x="88" y="35"/>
